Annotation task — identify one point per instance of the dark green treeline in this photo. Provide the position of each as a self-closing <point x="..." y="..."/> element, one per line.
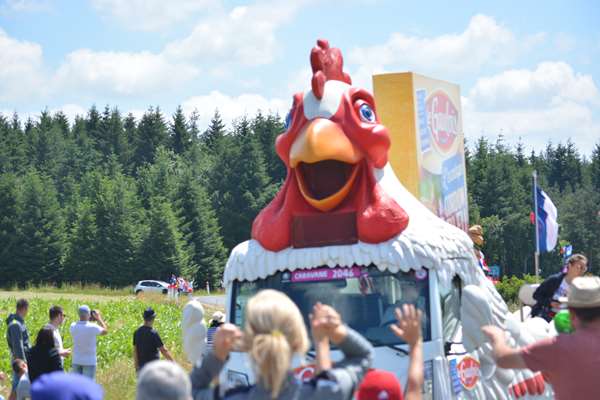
<point x="112" y="200"/>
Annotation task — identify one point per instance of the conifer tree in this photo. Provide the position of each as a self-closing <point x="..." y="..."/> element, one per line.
<point x="46" y="146"/>
<point x="214" y="136"/>
<point x="164" y="251"/>
<point x="117" y="216"/>
<point x="595" y="168"/>
<point x="41" y="232"/>
<point x="130" y="138"/>
<point x="81" y="154"/>
<point x="161" y="177"/>
<point x="267" y="129"/>
<point x="151" y="134"/>
<point x="181" y="138"/>
<point x="243" y="185"/>
<point x="62" y="122"/>
<point x="9" y="225"/>
<point x="83" y="258"/>
<point x="200" y="228"/>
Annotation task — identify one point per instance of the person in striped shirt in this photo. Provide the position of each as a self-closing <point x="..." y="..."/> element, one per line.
<point x="218" y="319"/>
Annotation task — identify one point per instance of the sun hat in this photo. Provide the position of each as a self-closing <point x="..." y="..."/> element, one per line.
<point x="380" y="385"/>
<point x="218" y="316"/>
<point x="62" y="386"/>
<point x="476" y="234"/>
<point x="583" y="293"/>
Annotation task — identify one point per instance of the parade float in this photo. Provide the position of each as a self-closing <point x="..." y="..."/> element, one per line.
<point x="344" y="231"/>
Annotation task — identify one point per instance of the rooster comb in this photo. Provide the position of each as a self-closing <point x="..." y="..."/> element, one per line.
<point x="327" y="65"/>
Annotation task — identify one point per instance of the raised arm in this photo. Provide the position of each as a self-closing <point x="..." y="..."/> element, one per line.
<point x="101" y="322"/>
<point x="408" y="328"/>
<point x="202" y="375"/>
<point x="358" y="353"/>
<point x="321" y="342"/>
<point x="505" y="356"/>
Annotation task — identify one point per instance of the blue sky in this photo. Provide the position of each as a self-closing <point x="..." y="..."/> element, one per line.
<point x="526" y="69"/>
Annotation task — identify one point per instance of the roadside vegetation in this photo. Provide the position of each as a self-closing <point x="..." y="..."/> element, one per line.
<point x="122" y="313"/>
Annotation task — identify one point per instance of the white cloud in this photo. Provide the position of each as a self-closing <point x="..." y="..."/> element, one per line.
<point x="245" y="34"/>
<point x="550" y="102"/>
<point x="21" y="64"/>
<point x="152" y="15"/>
<point x="25" y="6"/>
<point x="220" y="42"/>
<point x="122" y="73"/>
<point x="483" y="42"/>
<point x="232" y="107"/>
<point x="550" y="82"/>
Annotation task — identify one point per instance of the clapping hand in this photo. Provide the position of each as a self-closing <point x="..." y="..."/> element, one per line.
<point x="408" y="327"/>
<point x="323" y="321"/>
<point x="326" y="323"/>
<point x="227" y="337"/>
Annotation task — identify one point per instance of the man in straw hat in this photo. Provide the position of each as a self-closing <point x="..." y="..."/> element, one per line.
<point x="570" y="362"/>
<point x="476" y="234"/>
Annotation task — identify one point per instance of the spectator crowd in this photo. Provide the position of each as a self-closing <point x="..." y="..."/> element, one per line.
<point x="273" y="333"/>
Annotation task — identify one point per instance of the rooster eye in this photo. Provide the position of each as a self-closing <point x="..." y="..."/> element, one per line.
<point x="366" y="113"/>
<point x="288" y="119"/>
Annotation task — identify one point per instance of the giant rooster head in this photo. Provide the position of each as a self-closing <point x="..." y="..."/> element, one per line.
<point x="332" y="145"/>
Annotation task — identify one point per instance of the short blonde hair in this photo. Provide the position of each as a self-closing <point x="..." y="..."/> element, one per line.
<point x="274" y="331"/>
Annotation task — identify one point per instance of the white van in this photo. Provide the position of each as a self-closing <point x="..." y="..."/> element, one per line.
<point x="431" y="265"/>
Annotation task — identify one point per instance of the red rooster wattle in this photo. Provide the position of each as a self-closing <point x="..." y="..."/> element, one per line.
<point x="332" y="143"/>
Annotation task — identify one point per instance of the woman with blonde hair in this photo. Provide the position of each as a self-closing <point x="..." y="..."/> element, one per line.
<point x="273" y="333"/>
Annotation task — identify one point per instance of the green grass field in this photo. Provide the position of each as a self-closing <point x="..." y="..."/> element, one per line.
<point x="121" y="312"/>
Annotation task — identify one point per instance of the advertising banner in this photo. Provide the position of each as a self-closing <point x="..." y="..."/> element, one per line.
<point x="425" y="121"/>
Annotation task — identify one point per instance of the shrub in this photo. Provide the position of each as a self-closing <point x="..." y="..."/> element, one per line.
<point x="509" y="287"/>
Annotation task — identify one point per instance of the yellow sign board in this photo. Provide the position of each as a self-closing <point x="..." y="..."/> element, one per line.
<point x="424" y="118"/>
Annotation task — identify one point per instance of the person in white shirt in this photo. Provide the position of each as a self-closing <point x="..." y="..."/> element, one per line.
<point x="57" y="318"/>
<point x="23" y="389"/>
<point x="84" y="333"/>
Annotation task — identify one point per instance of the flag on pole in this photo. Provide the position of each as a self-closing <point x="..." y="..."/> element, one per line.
<point x="546" y="219"/>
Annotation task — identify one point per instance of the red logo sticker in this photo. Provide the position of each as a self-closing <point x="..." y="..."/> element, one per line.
<point x="442" y="119"/>
<point x="305" y="373"/>
<point x="468" y="372"/>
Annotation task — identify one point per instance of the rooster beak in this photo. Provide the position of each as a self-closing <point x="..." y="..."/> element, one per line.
<point x="324" y="140"/>
<point x="321" y="140"/>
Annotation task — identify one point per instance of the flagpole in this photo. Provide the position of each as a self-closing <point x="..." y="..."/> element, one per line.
<point x="537" y="234"/>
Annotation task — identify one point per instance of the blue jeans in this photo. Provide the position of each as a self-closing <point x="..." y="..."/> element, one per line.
<point x="85" y="370"/>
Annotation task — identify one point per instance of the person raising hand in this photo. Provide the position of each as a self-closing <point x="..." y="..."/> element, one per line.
<point x="380" y="384"/>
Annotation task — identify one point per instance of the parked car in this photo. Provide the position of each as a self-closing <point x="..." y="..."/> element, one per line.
<point x="151" y="287"/>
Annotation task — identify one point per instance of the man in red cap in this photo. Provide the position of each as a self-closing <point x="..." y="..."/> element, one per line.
<point x="383" y="385"/>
